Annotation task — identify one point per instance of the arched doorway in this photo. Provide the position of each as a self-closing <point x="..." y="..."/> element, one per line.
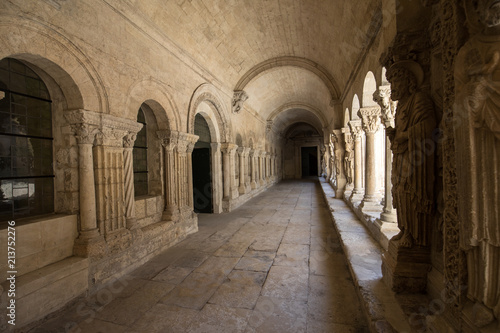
<point x="202" y="170"/>
<point x="309" y="161"/>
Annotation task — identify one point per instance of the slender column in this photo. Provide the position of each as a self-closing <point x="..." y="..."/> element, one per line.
<point x="261" y="168"/>
<point x="169" y="143"/>
<point x="371" y="122"/>
<point x="189" y="152"/>
<point x="228" y="150"/>
<point x="128" y="146"/>
<point x="383" y="97"/>
<point x="355" y="126"/>
<point x="217" y="177"/>
<point x="85" y="136"/>
<point x="252" y="167"/>
<point x="241" y="155"/>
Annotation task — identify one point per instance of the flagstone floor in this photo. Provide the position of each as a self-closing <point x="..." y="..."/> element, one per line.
<point x="273" y="265"/>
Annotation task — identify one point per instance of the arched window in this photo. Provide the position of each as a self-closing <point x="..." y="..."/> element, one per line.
<point x="140" y="154"/>
<point x="26" y="161"/>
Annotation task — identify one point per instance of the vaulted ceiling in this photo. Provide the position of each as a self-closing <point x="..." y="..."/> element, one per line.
<point x="316" y="41"/>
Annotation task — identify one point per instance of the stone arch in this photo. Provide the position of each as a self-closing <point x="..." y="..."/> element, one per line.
<point x="155" y="95"/>
<point x="60" y="58"/>
<point x="355" y="107"/>
<point x="299" y="105"/>
<point x="369" y="87"/>
<point x="207" y="94"/>
<point x="307" y="64"/>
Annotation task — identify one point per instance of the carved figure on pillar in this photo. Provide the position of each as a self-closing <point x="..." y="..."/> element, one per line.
<point x="349" y="158"/>
<point x="413" y="165"/>
<point x="477" y="135"/>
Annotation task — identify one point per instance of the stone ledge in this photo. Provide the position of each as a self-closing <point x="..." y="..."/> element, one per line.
<point x="49" y="288"/>
<point x="363" y="253"/>
<point x="381" y="231"/>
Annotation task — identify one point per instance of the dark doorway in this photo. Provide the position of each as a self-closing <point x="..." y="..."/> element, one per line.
<point x="309" y="156"/>
<point x="202" y="181"/>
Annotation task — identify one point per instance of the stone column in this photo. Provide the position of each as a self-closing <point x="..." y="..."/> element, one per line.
<point x="217" y="177"/>
<point x="253" y="171"/>
<point x="358" y="191"/>
<point x="388" y="107"/>
<point x="228" y="150"/>
<point x="189" y="151"/>
<point x="241" y="155"/>
<point x="261" y="167"/>
<point x="169" y="143"/>
<point x="85" y="136"/>
<point x="371" y="122"/>
<point x="128" y="147"/>
<point x="268" y="162"/>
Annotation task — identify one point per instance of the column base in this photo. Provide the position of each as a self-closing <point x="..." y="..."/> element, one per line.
<point x="170" y="214"/>
<point x="356" y="195"/>
<point x="94" y="248"/>
<point x="389" y="217"/>
<point x="405" y="270"/>
<point x="253" y="184"/>
<point x="241" y="189"/>
<point x="370" y="204"/>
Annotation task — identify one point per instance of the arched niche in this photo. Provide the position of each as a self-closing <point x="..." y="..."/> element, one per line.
<point x="369" y="87"/>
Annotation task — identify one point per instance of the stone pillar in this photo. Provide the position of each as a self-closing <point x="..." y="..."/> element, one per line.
<point x="358" y="191"/>
<point x="217" y="177"/>
<point x="261" y="168"/>
<point x="339" y="177"/>
<point x="85" y="136"/>
<point x="128" y="147"/>
<point x="169" y="143"/>
<point x="228" y="150"/>
<point x="383" y="97"/>
<point x="371" y="122"/>
<point x="241" y="155"/>
<point x="268" y="166"/>
<point x="253" y="171"/>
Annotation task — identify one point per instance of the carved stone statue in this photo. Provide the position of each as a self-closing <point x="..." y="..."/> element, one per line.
<point x="477" y="135"/>
<point x="349" y="160"/>
<point x="413" y="164"/>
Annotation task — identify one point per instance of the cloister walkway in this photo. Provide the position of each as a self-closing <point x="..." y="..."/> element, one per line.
<point x="273" y="265"/>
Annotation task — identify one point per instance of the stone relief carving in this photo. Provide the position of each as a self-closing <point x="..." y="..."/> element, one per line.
<point x="349" y="157"/>
<point x="413" y="165"/>
<point x="477" y="133"/>
<point x="388" y="107"/>
<point x="371" y="118"/>
<point x="239" y="98"/>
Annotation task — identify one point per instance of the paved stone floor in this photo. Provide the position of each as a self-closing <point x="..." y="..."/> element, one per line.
<point x="273" y="265"/>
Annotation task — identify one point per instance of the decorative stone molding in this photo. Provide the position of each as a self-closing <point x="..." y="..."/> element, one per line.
<point x="129" y="140"/>
<point x="371" y="118"/>
<point x="269" y="126"/>
<point x="239" y="98"/>
<point x="168" y="139"/>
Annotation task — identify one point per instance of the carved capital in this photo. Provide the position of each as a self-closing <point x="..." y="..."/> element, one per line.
<point x="387" y="106"/>
<point x="228" y="148"/>
<point x="356" y="129"/>
<point x="239" y="98"/>
<point x="168" y="139"/>
<point x="110" y="137"/>
<point x="269" y="126"/>
<point x="85" y="133"/>
<point x="371" y="118"/>
<point x="129" y="139"/>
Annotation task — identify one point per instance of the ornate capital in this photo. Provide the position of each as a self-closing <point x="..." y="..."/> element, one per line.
<point x="388" y="107"/>
<point x="228" y="148"/>
<point x="168" y="139"/>
<point x="269" y="126"/>
<point x="239" y="98"/>
<point x="356" y="129"/>
<point x="85" y="133"/>
<point x="371" y="118"/>
<point x="129" y="139"/>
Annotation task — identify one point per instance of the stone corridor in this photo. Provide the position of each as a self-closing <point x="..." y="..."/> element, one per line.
<point x="273" y="265"/>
